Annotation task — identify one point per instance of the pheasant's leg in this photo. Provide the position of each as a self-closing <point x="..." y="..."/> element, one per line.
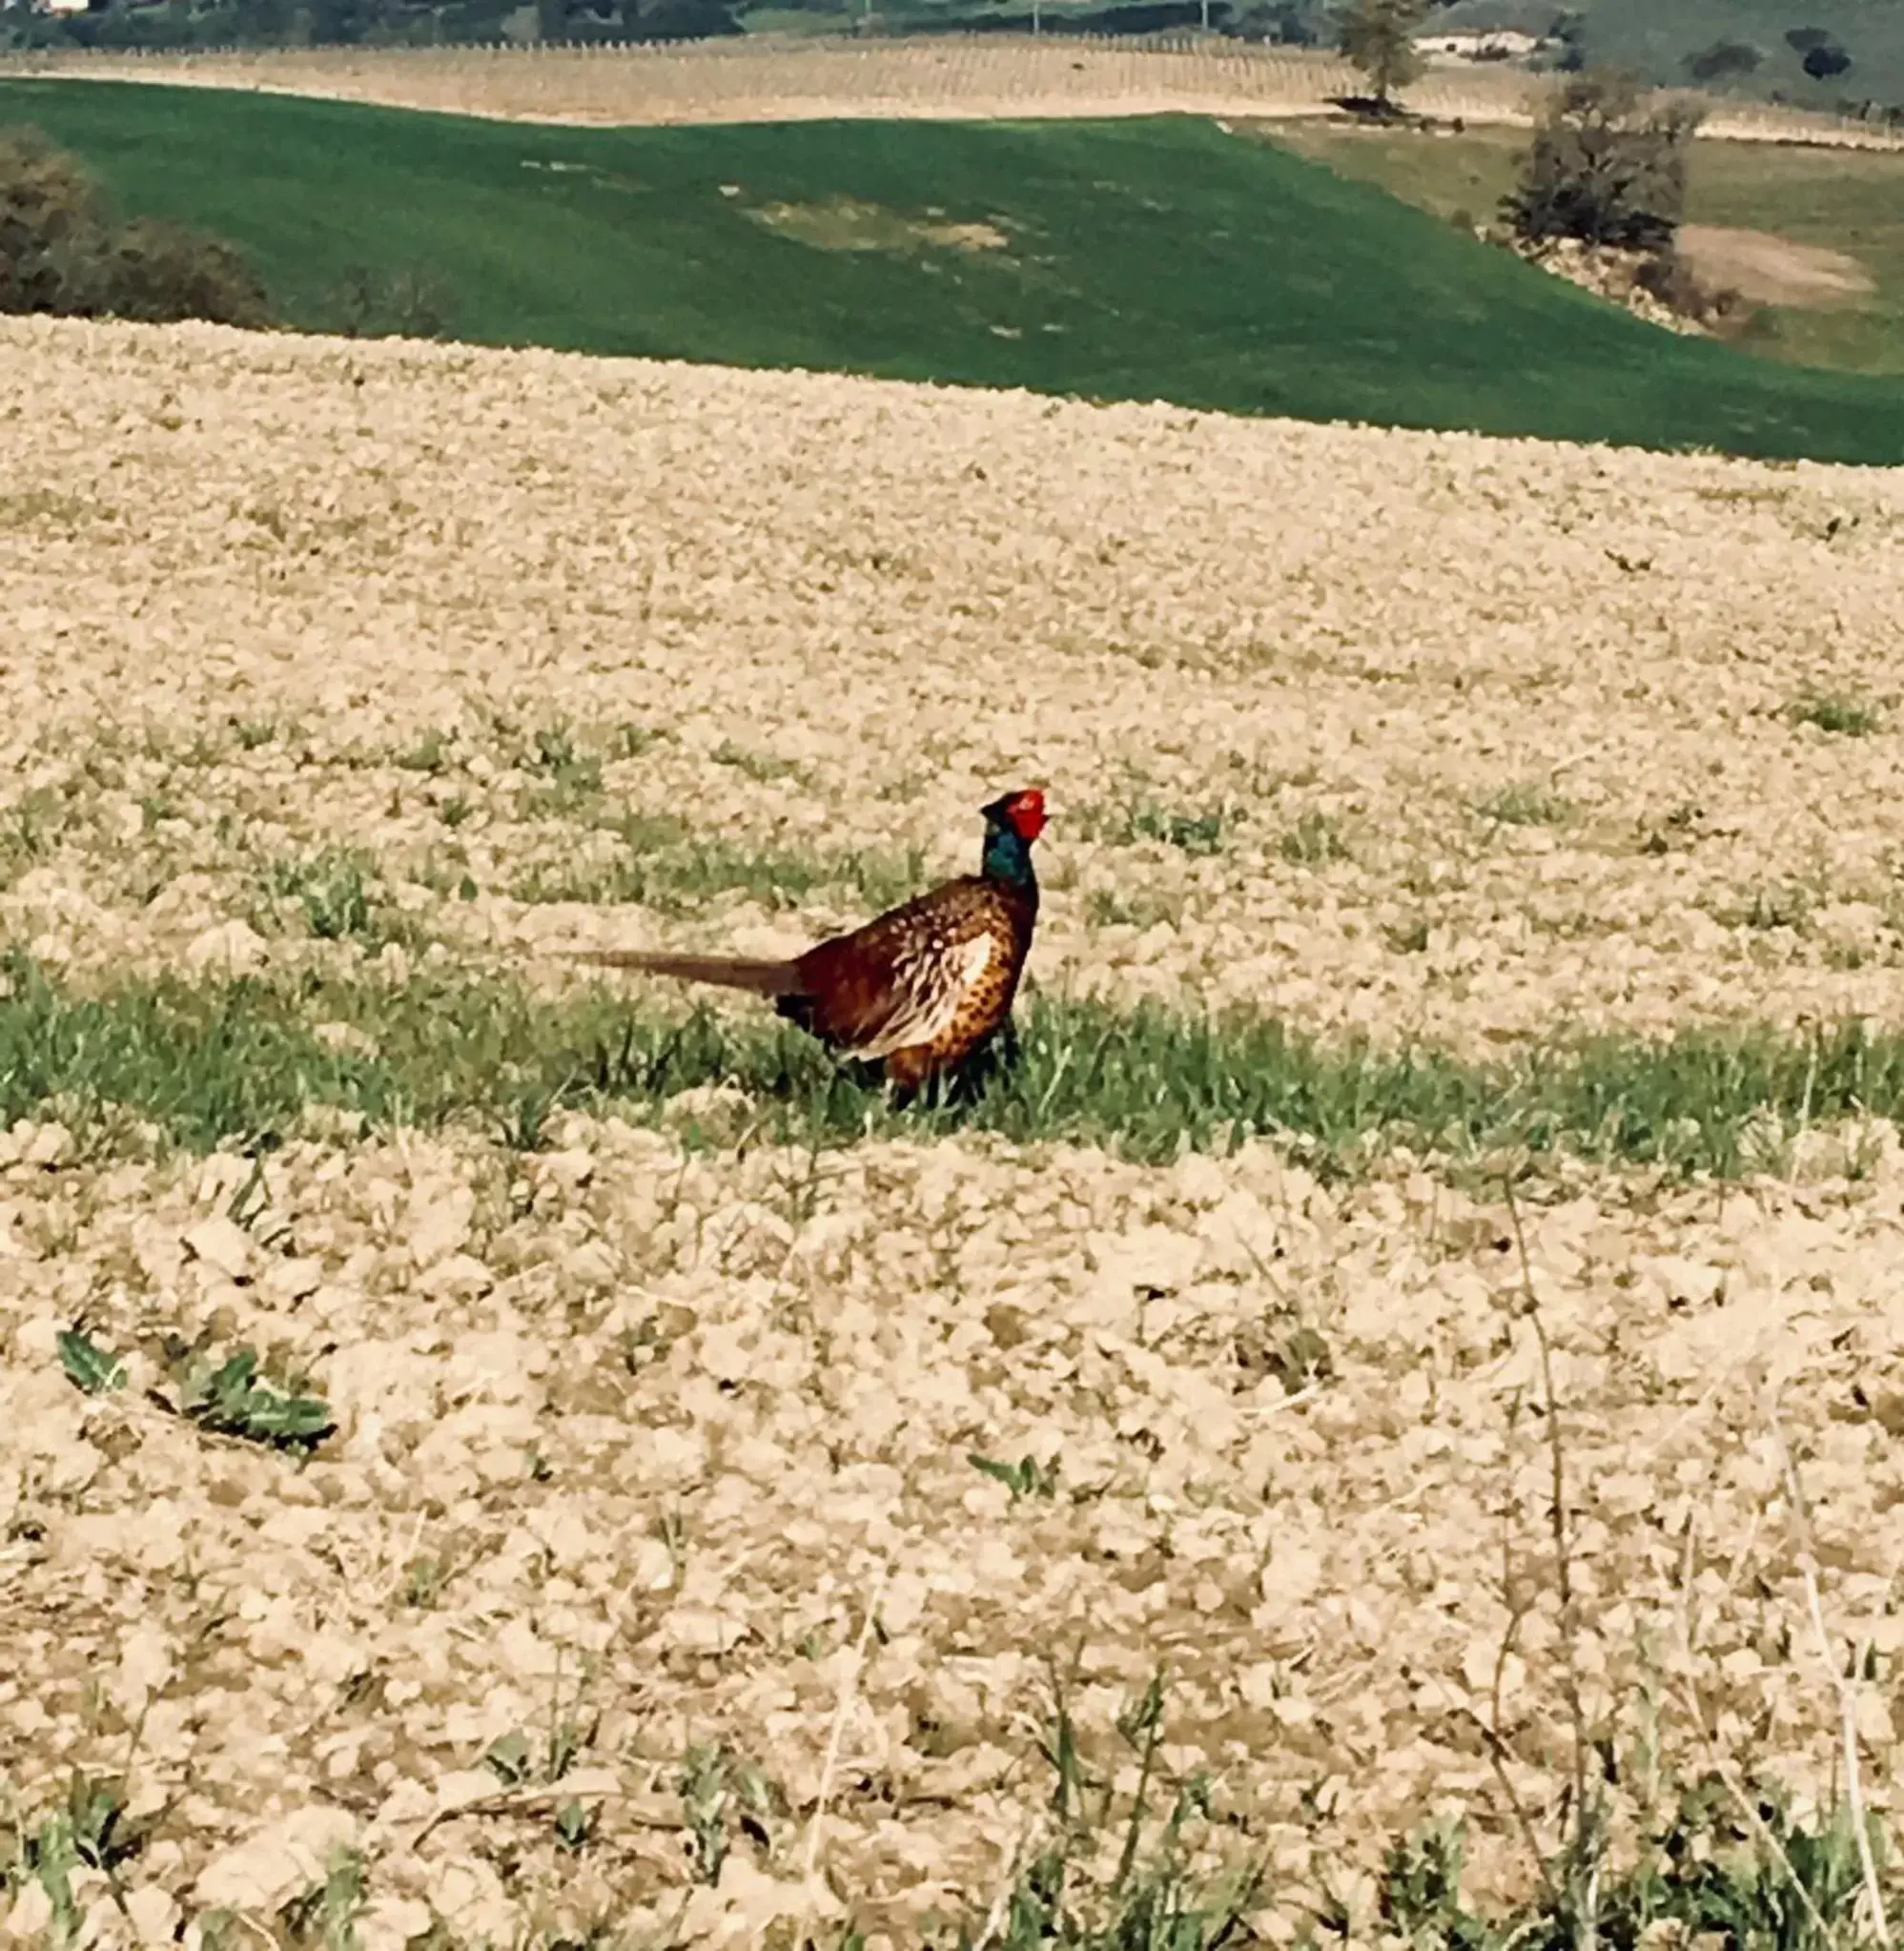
<point x="968" y="1080"/>
<point x="905" y="1070"/>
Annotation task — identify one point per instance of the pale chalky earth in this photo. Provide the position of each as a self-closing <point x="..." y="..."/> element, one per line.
<point x="1420" y="736"/>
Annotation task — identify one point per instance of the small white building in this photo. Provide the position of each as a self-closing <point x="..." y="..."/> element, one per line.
<point x="1479" y="44"/>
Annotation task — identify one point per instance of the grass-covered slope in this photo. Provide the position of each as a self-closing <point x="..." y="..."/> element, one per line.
<point x="1139" y="259"/>
<point x="1848" y="202"/>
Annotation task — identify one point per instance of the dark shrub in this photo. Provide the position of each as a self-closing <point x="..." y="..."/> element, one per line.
<point x="160" y="272"/>
<point x="50" y="214"/>
<point x="62" y="251"/>
<point x="392" y="304"/>
<point x="1721" y="59"/>
<point x="1605" y="166"/>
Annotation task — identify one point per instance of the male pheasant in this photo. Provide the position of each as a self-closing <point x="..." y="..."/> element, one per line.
<point x="920" y="988"/>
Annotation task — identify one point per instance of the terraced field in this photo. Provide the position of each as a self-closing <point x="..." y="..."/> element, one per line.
<point x="681" y="1500"/>
<point x="774" y="78"/>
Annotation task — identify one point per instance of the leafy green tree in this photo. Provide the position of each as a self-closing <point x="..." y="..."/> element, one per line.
<point x="1606" y="166"/>
<point x="1379" y="36"/>
<point x="1721" y="59"/>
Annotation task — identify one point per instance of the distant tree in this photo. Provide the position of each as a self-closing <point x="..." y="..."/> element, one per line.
<point x="1801" y="40"/>
<point x="1283" y="23"/>
<point x="340" y="23"/>
<point x="1721" y="59"/>
<point x="678" y="20"/>
<point x="1606" y="166"/>
<point x="1569" y="33"/>
<point x="1825" y="60"/>
<point x="1379" y="36"/>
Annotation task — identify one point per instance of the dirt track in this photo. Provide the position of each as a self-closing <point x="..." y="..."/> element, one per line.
<point x="632" y="1435"/>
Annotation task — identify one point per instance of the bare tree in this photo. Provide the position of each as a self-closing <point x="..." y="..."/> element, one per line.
<point x="1607" y="165"/>
<point x="1379" y="36"/>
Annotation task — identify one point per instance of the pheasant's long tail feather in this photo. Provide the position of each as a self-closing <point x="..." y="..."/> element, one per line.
<point x="729" y="971"/>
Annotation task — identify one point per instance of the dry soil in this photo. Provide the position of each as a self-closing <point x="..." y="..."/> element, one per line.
<point x="632" y="1437"/>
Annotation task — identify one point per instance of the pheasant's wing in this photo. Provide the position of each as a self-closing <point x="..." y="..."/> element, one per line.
<point x="901" y="979"/>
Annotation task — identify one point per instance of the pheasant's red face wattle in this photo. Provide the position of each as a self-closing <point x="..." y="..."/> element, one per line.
<point x="1026" y="812"/>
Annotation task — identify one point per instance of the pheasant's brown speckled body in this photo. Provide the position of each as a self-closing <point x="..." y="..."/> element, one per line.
<point x="923" y="987"/>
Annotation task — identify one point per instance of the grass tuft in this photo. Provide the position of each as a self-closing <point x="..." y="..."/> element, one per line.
<point x="229" y="1399"/>
<point x="1705" y="1874"/>
<point x="334" y="893"/>
<point x="1315" y="840"/>
<point x="1835" y="713"/>
<point x="567" y="773"/>
<point x="1198" y="832"/>
<point x="1525" y="804"/>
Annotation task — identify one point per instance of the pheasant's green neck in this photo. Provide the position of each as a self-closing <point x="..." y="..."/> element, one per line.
<point x="1007" y="859"/>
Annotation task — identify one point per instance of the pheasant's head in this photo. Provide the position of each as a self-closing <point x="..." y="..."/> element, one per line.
<point x="1010" y="825"/>
<point x="1022" y="813"/>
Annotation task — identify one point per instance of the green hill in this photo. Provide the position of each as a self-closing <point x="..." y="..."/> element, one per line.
<point x="1676" y="44"/>
<point x="1152" y="258"/>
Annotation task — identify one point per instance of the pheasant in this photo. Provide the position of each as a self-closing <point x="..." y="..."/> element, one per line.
<point x="919" y="989"/>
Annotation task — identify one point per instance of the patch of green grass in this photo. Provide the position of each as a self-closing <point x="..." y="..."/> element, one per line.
<point x="761" y="766"/>
<point x="567" y="773"/>
<point x="326" y="1913"/>
<point x="89" y="1368"/>
<point x="1834" y="713"/>
<point x="214" y="1063"/>
<point x="719" y="1790"/>
<point x="1117" y="908"/>
<point x="430" y="752"/>
<point x="1197" y="833"/>
<point x="336" y="893"/>
<point x="1837" y="199"/>
<point x="1149" y="257"/>
<point x="30" y="831"/>
<point x="84" y="1830"/>
<point x="1110" y="1871"/>
<point x="1525" y="804"/>
<point x="1028" y="1477"/>
<point x="1784" y="905"/>
<point x="1315" y="840"/>
<point x="669" y="863"/>
<point x="231" y="1398"/>
<point x="1705" y="1874"/>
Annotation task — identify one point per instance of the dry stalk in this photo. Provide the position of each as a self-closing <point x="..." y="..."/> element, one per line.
<point x="1808" y="1568"/>
<point x="835" y="1735"/>
<point x="1001" y="1901"/>
<point x="1498" y="1751"/>
<point x="1584" y="1844"/>
<point x="1716" y="1758"/>
<point x="532" y="1795"/>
